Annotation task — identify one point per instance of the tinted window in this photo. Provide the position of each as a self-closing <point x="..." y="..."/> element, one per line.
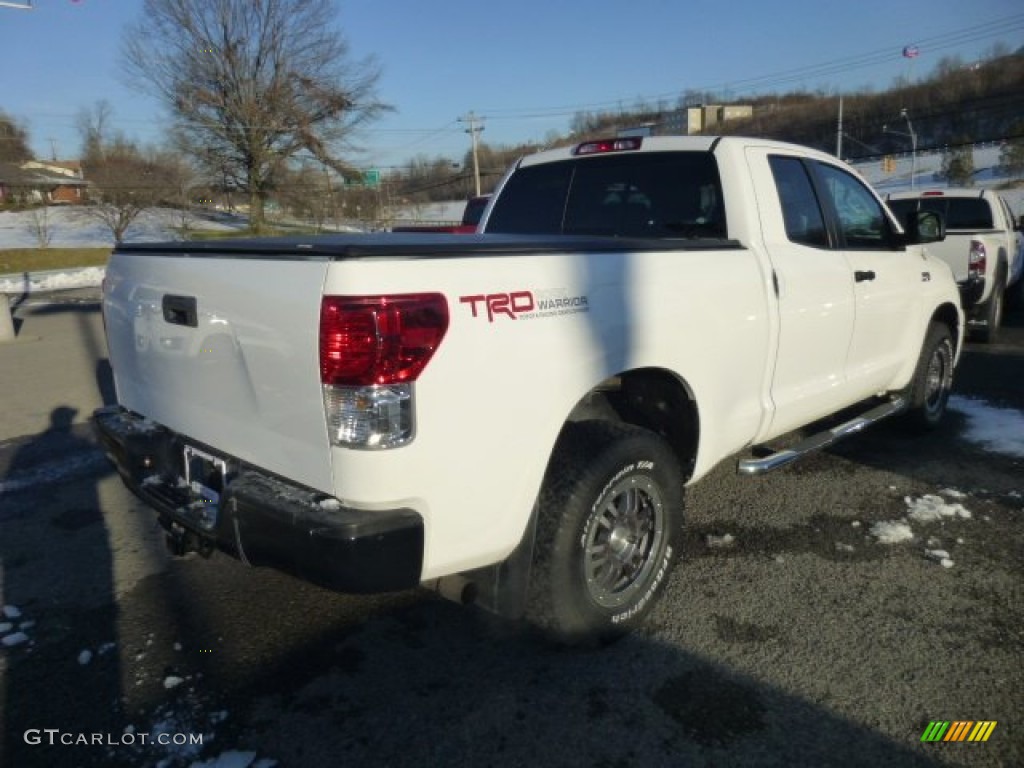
<point x="800" y="209"/>
<point x="862" y="220"/>
<point x="968" y="213"/>
<point x="657" y="194"/>
<point x="959" y="212"/>
<point x="532" y="200"/>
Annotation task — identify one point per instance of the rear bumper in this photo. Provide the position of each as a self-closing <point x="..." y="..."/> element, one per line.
<point x="262" y="519"/>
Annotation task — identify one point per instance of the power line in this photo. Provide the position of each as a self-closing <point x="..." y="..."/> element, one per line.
<point x="994" y="28"/>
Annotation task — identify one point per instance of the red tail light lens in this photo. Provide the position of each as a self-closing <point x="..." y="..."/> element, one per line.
<point x="977" y="259"/>
<point x="367" y="340"/>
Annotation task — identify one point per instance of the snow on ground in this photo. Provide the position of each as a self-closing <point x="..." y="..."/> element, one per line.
<point x="75" y="227"/>
<point x="1000" y="430"/>
<point x="56" y="280"/>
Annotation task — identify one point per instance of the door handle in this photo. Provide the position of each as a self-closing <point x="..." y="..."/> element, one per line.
<point x="180" y="310"/>
<point x="861" y="276"/>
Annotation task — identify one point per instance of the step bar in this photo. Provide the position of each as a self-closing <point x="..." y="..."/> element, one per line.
<point x="821" y="440"/>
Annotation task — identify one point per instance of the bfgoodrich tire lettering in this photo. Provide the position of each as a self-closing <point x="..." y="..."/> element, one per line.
<point x="607" y="537"/>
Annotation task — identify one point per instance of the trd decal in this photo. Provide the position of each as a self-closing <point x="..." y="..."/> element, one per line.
<point x="524" y="305"/>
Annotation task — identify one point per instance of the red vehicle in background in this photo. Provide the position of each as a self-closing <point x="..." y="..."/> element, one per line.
<point x="470" y="218"/>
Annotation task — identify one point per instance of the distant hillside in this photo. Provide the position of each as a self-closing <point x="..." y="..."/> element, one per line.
<point x="956" y="104"/>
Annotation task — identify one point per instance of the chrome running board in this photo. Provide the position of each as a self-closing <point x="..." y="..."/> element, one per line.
<point x="821" y="439"/>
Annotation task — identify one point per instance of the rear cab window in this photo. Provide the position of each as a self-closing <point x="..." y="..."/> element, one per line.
<point x="963" y="213"/>
<point x="653" y="194"/>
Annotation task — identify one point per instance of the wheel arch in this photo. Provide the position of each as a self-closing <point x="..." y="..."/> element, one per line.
<point x="653" y="398"/>
<point x="949" y="315"/>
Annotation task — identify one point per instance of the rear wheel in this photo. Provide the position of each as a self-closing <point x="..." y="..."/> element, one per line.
<point x="933" y="379"/>
<point x="609" y="517"/>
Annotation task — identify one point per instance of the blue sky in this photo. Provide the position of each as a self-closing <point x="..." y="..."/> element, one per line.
<point x="524" y="66"/>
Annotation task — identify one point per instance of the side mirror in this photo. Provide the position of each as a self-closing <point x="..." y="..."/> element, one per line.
<point x="924" y="227"/>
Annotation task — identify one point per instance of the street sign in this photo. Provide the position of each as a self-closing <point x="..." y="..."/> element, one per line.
<point x="370" y="179"/>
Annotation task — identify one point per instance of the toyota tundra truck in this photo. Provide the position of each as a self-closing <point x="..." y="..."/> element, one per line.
<point x="983" y="246"/>
<point x="511" y="417"/>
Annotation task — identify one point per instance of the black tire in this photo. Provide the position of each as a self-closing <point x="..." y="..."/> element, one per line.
<point x="993" y="312"/>
<point x="616" y="492"/>
<point x="933" y="380"/>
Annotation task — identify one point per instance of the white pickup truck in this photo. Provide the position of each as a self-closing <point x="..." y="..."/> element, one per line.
<point x="511" y="417"/>
<point x="983" y="246"/>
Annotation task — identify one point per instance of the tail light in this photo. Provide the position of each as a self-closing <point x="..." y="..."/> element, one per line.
<point x="976" y="260"/>
<point x="372" y="350"/>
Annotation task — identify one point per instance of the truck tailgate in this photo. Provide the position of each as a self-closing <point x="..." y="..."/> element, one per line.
<point x="224" y="350"/>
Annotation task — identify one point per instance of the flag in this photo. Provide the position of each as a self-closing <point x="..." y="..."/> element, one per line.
<point x="911" y="52"/>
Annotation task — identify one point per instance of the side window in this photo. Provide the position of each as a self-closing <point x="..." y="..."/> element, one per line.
<point x="533" y="201"/>
<point x="862" y="220"/>
<point x="800" y="209"/>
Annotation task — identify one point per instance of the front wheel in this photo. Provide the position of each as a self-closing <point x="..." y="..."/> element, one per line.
<point x="933" y="379"/>
<point x="607" y="537"/>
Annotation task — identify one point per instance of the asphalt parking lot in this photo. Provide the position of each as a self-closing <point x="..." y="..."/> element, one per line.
<point x="789" y="635"/>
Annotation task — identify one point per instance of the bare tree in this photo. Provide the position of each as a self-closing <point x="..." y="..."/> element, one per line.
<point x="40" y="227"/>
<point x="252" y="83"/>
<point x="125" y="183"/>
<point x="94" y="126"/>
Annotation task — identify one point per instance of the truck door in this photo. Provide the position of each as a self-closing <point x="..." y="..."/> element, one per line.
<point x="815" y="288"/>
<point x="884" y="278"/>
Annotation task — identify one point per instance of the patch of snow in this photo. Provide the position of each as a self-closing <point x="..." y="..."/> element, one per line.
<point x="946" y="563"/>
<point x="13" y="639"/>
<point x="173" y="681"/>
<point x="87" y="277"/>
<point x="891" y="532"/>
<point x="937" y="554"/>
<point x="953" y="493"/>
<point x="106" y="648"/>
<point x="330" y="504"/>
<point x="85" y="657"/>
<point x="12" y="612"/>
<point x="26" y="625"/>
<point x="718" y="542"/>
<point x="855" y="524"/>
<point x="840" y="547"/>
<point x="76" y="227"/>
<point x="1000" y="430"/>
<point x="930" y="509"/>
<point x="6" y="627"/>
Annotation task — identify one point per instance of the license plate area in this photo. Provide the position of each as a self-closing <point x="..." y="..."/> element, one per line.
<point x="205" y="478"/>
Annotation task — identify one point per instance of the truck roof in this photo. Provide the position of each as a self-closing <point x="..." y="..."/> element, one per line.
<point x="940" y="192"/>
<point x="663" y="144"/>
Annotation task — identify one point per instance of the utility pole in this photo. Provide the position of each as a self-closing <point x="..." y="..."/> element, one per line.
<point x="53" y="149"/>
<point x="474" y="131"/>
<point x="839" y="130"/>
